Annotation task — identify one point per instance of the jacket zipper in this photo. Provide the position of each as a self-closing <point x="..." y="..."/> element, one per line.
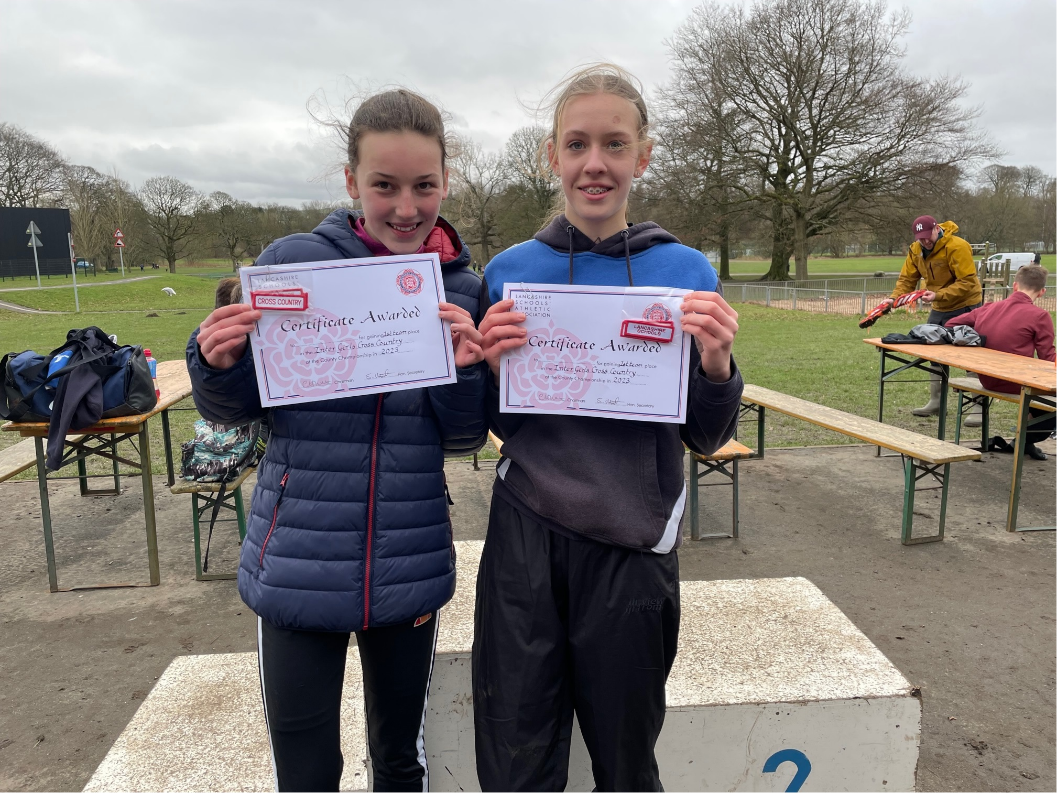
<point x="275" y="516"/>
<point x="370" y="514"/>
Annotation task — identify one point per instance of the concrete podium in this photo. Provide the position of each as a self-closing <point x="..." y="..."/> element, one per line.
<point x="773" y="689"/>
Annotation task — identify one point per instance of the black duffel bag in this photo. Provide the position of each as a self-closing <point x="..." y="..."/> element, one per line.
<point x="27" y="390"/>
<point x="98" y="379"/>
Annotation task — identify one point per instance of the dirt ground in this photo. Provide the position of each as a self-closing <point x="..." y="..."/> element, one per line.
<point x="969" y="620"/>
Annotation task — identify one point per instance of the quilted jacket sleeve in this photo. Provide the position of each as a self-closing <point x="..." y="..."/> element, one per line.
<point x="224" y="396"/>
<point x="459" y="407"/>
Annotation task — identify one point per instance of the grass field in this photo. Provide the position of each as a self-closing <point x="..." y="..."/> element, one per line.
<point x="822" y="266"/>
<point x="817" y="357"/>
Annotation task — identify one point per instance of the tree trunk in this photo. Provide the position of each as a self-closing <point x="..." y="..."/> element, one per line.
<point x="724" y="253"/>
<point x="172" y="265"/>
<point x="800" y="245"/>
<point x="780" y="248"/>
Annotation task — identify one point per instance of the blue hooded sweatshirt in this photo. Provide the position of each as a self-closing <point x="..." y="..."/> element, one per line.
<point x="614" y="481"/>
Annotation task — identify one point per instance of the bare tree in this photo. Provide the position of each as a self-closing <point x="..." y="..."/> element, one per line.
<point x="693" y="173"/>
<point x="173" y="213"/>
<point x="233" y="223"/>
<point x="823" y="112"/>
<point x="527" y="171"/>
<point x="123" y="210"/>
<point x="32" y="173"/>
<point x="478" y="180"/>
<point x="85" y="195"/>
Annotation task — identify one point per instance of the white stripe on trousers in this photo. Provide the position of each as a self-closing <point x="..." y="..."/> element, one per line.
<point x="421" y="742"/>
<point x="264" y="701"/>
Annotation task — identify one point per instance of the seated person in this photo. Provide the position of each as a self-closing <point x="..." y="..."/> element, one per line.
<point x="1018" y="326"/>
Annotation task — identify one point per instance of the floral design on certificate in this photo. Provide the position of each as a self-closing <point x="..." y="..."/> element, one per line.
<point x="556" y="374"/>
<point x="308" y="355"/>
<point x="410" y="281"/>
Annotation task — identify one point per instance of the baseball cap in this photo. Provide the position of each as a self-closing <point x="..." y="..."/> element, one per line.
<point x="923" y="227"/>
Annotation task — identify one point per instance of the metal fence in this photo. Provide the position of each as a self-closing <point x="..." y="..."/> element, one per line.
<point x="848" y="302"/>
<point x="23" y="268"/>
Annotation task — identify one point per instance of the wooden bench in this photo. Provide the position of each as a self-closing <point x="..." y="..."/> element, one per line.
<point x="723" y="461"/>
<point x="21" y="457"/>
<point x="922" y="456"/>
<point x="207" y="492"/>
<point x="971" y="392"/>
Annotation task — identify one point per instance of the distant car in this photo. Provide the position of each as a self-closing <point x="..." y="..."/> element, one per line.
<point x="83" y="264"/>
<point x="1016" y="260"/>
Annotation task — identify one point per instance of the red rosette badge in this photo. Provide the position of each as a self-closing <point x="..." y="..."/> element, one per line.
<point x="310" y="362"/>
<point x="410" y="281"/>
<point x="553" y="377"/>
<point x="657" y="312"/>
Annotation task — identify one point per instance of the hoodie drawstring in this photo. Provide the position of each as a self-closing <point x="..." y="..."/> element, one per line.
<point x="569" y="229"/>
<point x="627" y="253"/>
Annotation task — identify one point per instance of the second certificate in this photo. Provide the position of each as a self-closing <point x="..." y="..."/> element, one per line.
<point x="598" y="351"/>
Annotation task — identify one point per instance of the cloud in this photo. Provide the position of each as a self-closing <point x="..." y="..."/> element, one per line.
<point x="218" y="93"/>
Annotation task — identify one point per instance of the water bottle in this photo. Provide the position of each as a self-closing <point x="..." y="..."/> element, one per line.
<point x="57" y="363"/>
<point x="153" y="364"/>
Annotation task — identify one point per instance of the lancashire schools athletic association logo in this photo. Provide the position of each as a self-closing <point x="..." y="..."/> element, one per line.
<point x="657" y="312"/>
<point x="409" y="281"/>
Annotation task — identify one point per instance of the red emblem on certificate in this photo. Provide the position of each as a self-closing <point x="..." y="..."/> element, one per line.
<point x="409" y="281"/>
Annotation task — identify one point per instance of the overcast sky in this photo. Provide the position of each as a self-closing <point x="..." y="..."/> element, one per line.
<point x="216" y="93"/>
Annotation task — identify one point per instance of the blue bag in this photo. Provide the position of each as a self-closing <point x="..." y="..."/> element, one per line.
<point x="23" y="394"/>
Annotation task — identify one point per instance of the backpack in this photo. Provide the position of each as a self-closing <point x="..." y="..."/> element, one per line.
<point x="219" y="454"/>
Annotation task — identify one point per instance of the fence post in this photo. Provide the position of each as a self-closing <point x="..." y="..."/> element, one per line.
<point x="794" y="298"/>
<point x="862" y="306"/>
<point x="743" y="293"/>
<point x="825" y="309"/>
<point x="768" y="297"/>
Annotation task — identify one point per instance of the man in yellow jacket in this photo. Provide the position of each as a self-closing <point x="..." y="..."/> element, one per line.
<point x="945" y="263"/>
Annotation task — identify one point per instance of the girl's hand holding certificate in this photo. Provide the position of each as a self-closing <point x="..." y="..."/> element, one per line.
<point x="465" y="338"/>
<point x="713" y="324"/>
<point x="224" y="334"/>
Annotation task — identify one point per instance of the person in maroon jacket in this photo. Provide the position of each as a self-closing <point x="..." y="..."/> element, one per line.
<point x="1018" y="326"/>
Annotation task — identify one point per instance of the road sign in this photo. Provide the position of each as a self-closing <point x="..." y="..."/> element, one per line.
<point x="34" y="243"/>
<point x="119" y="244"/>
<point x="118" y="235"/>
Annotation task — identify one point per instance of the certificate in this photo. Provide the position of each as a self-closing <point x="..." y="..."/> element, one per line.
<point x="347" y="328"/>
<point x="598" y="351"/>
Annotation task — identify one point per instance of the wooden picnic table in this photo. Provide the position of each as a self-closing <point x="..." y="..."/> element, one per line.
<point x="101" y="440"/>
<point x="1034" y="376"/>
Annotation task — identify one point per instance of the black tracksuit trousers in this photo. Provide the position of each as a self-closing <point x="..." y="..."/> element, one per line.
<point x="302" y="673"/>
<point x="565" y="624"/>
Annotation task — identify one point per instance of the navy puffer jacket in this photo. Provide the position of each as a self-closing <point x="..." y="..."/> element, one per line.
<point x="348" y="528"/>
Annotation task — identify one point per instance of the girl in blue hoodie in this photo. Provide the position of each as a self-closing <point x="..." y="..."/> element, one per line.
<point x="348" y="532"/>
<point x="578" y="590"/>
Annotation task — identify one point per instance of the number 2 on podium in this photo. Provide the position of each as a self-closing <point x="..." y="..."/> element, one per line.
<point x="797" y="758"/>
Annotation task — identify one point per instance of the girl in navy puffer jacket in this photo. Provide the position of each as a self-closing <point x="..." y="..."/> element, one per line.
<point x="348" y="530"/>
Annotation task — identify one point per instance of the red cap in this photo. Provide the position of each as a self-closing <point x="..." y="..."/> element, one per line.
<point x="923" y="227"/>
